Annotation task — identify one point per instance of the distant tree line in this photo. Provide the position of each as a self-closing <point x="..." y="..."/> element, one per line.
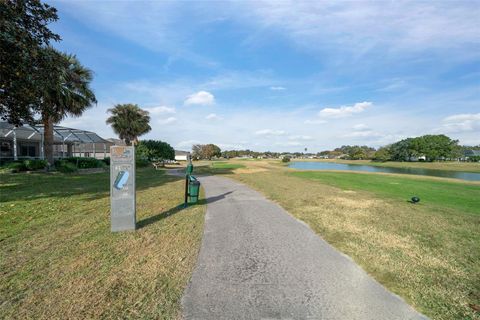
<point x="423" y="148"/>
<point x="350" y="152"/>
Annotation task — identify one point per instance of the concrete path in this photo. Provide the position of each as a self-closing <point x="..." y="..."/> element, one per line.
<point x="258" y="262"/>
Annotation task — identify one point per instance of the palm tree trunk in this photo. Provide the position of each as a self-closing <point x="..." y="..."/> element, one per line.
<point x="48" y="138"/>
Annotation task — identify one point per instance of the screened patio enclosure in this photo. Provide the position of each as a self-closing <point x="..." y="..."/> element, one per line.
<point x="27" y="142"/>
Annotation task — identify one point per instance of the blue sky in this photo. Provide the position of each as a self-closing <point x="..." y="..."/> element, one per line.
<point x="281" y="75"/>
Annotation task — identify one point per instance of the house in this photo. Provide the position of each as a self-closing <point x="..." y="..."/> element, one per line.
<point x="26" y="142"/>
<point x="416" y="159"/>
<point x="181" y="155"/>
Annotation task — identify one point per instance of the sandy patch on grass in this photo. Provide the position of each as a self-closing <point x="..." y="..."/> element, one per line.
<point x="249" y="170"/>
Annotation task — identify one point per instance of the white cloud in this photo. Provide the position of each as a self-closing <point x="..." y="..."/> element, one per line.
<point x="160" y="110"/>
<point x="213" y="116"/>
<point x="361" y="127"/>
<point x="187" y="144"/>
<point x="361" y="130"/>
<point x="315" y="121"/>
<point x="344" y="111"/>
<point x="288" y="144"/>
<point x="363" y="134"/>
<point x="278" y="88"/>
<point x="362" y="27"/>
<point x="300" y="137"/>
<point x="231" y="146"/>
<point x="200" y="98"/>
<point x="393" y="85"/>
<point x="167" y="120"/>
<point x="270" y="132"/>
<point x="460" y="123"/>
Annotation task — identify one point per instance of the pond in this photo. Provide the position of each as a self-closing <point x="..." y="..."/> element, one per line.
<point x="317" y="165"/>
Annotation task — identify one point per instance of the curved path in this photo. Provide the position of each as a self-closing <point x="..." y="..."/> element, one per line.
<point x="258" y="262"/>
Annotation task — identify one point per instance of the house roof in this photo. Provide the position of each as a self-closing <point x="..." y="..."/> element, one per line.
<point x="117" y="142"/>
<point x="60" y="134"/>
<point x="472" y="153"/>
<point x="181" y="153"/>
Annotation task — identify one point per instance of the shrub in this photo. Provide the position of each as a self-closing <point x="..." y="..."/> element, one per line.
<point x="35" y="164"/>
<point x="286" y="159"/>
<point x="106" y="161"/>
<point x="86" y="163"/>
<point x="141" y="162"/>
<point x="17" y="166"/>
<point x="65" y="166"/>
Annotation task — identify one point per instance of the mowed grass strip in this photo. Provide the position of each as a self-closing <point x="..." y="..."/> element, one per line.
<point x="226" y="165"/>
<point x="463" y="197"/>
<point x="426" y="253"/>
<point x="59" y="260"/>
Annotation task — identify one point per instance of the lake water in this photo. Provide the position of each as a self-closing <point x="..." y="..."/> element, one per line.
<point x="317" y="165"/>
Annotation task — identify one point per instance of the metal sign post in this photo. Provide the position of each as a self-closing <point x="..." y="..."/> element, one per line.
<point x="122" y="188"/>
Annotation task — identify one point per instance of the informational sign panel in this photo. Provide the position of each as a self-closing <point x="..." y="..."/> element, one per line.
<point x="122" y="188"/>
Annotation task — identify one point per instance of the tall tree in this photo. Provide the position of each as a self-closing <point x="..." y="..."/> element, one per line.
<point x="129" y="122"/>
<point x="67" y="92"/>
<point x="206" y="151"/>
<point x="155" y="150"/>
<point x="24" y="33"/>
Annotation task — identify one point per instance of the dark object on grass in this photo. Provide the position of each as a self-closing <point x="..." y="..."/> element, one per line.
<point x="415" y="200"/>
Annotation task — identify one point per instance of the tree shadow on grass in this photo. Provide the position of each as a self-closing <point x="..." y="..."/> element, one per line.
<point x="165" y="214"/>
<point x="160" y="216"/>
<point x="23" y="186"/>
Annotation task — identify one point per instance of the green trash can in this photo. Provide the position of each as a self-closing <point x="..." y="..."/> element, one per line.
<point x="193" y="189"/>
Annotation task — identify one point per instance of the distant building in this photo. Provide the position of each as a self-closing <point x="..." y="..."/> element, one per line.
<point x="181" y="155"/>
<point x="416" y="159"/>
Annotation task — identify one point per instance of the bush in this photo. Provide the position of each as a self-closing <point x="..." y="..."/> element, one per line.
<point x="86" y="163"/>
<point x="286" y="159"/>
<point x="17" y="166"/>
<point x="65" y="166"/>
<point x="141" y="163"/>
<point x="26" y="165"/>
<point x="106" y="161"/>
<point x="35" y="164"/>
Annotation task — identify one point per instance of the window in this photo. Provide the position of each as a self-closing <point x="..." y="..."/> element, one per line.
<point x="28" y="150"/>
<point x="6" y="148"/>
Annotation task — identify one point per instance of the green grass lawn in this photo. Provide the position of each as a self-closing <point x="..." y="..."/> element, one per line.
<point x="226" y="165"/>
<point x="59" y="260"/>
<point x="427" y="253"/>
<point x="463" y="197"/>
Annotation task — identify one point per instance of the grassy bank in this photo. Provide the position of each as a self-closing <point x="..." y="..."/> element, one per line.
<point x="440" y="165"/>
<point x="427" y="253"/>
<point x="438" y="194"/>
<point x="60" y="260"/>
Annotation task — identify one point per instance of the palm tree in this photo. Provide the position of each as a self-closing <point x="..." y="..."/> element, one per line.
<point x="129" y="122"/>
<point x="68" y="93"/>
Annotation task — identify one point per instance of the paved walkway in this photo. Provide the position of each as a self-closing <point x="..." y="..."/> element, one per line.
<point x="258" y="262"/>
